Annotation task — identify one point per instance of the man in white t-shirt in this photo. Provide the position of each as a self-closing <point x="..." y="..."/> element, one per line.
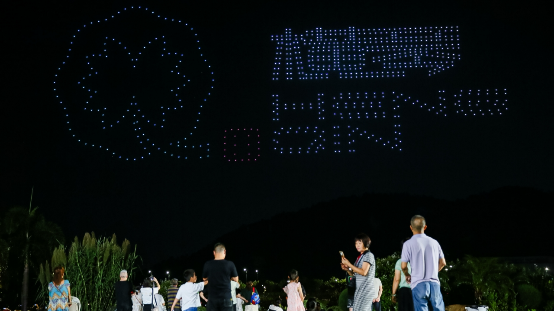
<point x="376" y="292"/>
<point x="188" y="292"/>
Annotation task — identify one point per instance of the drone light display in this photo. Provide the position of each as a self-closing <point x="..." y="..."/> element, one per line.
<point x="134" y="88"/>
<point x="340" y="123"/>
<point x="317" y="53"/>
<point x="241" y="145"/>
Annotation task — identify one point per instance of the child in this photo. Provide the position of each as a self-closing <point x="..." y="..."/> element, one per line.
<point x="295" y="297"/>
<point x="188" y="292"/>
<point x="276" y="306"/>
<point x="159" y="303"/>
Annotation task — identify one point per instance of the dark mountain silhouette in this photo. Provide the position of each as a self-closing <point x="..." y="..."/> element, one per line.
<point x="509" y="221"/>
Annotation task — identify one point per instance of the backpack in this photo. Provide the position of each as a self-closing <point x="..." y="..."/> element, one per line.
<point x="255" y="300"/>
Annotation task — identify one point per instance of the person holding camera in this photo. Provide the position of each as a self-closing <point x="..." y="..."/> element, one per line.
<point x="363" y="270"/>
<point x="148" y="292"/>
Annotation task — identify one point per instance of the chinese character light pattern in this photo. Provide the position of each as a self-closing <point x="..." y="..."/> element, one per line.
<point x="241" y="145"/>
<point x="346" y="52"/>
<point x="146" y="120"/>
<point x="346" y="120"/>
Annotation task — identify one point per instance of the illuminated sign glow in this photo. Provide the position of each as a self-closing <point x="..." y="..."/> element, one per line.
<point x="342" y="122"/>
<point x="133" y="96"/>
<point x="348" y="53"/>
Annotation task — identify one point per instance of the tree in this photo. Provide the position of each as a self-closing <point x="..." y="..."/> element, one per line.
<point x="30" y="238"/>
<point x="484" y="275"/>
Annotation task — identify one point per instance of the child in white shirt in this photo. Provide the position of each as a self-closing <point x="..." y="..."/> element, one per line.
<point x="188" y="292"/>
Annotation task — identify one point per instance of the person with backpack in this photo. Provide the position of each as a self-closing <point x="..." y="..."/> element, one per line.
<point x="250" y="293"/>
<point x="295" y="296"/>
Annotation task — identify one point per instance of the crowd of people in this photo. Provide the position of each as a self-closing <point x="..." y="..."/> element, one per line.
<point x="416" y="284"/>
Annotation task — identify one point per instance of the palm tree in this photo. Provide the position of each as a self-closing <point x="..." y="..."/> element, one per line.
<point x="31" y="238"/>
<point x="483" y="274"/>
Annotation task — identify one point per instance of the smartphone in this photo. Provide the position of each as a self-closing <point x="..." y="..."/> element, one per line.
<point x="341" y="253"/>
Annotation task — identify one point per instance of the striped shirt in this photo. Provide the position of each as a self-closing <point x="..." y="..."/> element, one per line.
<point x="171" y="293"/>
<point x="364" y="284"/>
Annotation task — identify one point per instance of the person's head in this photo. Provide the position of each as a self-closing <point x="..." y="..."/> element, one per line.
<point x="174" y="282"/>
<point x="418" y="224"/>
<point x="312" y="304"/>
<point x="147" y="282"/>
<point x="123" y="275"/>
<point x="189" y="276"/>
<point x="137" y="289"/>
<point x="59" y="273"/>
<point x="219" y="251"/>
<point x="293" y="275"/>
<point x="249" y="285"/>
<point x="277" y="302"/>
<point x="362" y="242"/>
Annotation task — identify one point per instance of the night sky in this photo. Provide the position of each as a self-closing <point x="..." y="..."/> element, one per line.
<point x="174" y="206"/>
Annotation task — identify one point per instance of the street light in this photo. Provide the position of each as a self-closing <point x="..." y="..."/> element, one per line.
<point x="257" y="275"/>
<point x="246" y="273"/>
<point x="168" y="276"/>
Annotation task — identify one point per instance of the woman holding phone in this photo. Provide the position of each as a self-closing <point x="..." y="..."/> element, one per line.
<point x="363" y="270"/>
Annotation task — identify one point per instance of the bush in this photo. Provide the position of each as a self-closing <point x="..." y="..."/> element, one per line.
<point x="528" y="296"/>
<point x="343" y="300"/>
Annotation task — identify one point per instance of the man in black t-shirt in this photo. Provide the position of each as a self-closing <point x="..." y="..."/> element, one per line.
<point x="123" y="290"/>
<point x="218" y="272"/>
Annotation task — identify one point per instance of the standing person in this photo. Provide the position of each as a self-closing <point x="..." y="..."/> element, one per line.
<point x="427" y="259"/>
<point x="148" y="292"/>
<point x="364" y="271"/>
<point x="376" y="293"/>
<point x="137" y="302"/>
<point x="159" y="303"/>
<point x="234" y="287"/>
<point x="189" y="292"/>
<point x="218" y="272"/>
<point x="240" y="301"/>
<point x="295" y="297"/>
<point x="123" y="292"/>
<point x="59" y="291"/>
<point x="247" y="292"/>
<point x="171" y="293"/>
<point x="401" y="291"/>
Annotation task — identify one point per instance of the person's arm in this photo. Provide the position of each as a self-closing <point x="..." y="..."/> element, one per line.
<point x="234" y="272"/>
<point x="404" y="267"/>
<point x="361" y="271"/>
<point x="242" y="298"/>
<point x="174" y="303"/>
<point x="395" y="283"/>
<point x="442" y="263"/>
<point x="202" y="296"/>
<point x="380" y="292"/>
<point x="157" y="283"/>
<point x="69" y="295"/>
